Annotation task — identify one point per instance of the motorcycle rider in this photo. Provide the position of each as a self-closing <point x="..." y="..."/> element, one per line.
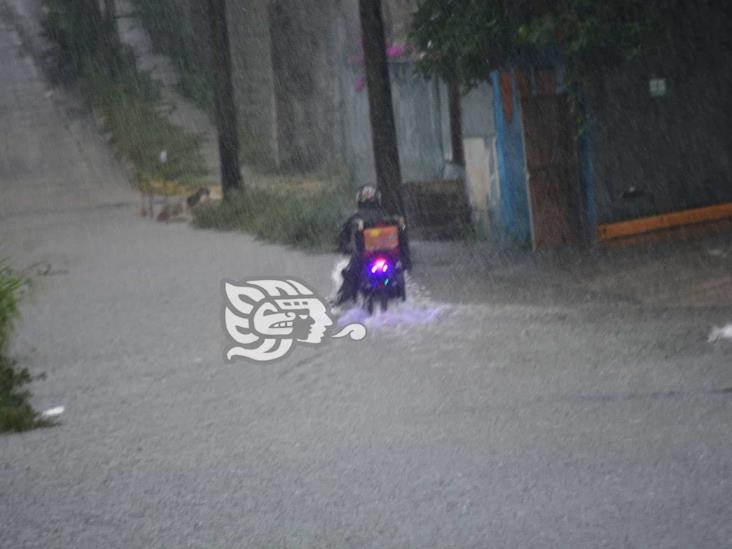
<point x="369" y="212"/>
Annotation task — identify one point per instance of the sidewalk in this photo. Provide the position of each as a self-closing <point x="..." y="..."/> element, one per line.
<point x="689" y="268"/>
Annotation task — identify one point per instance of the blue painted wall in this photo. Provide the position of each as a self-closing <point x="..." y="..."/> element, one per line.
<point x="511" y="221"/>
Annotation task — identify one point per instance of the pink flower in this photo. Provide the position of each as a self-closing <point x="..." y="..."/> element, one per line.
<point x="395" y="50"/>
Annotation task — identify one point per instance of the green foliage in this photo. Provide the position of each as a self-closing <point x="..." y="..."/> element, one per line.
<point x="80" y="37"/>
<point x="10" y="287"/>
<point x="463" y="39"/>
<point x="590" y="33"/>
<point x="133" y="114"/>
<point x="16" y="413"/>
<point x="468" y="39"/>
<point x="297" y="217"/>
<point x="471" y="38"/>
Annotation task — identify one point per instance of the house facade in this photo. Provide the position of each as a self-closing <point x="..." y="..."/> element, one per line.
<point x="656" y="153"/>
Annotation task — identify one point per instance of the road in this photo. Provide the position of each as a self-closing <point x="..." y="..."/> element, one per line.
<point x="590" y="422"/>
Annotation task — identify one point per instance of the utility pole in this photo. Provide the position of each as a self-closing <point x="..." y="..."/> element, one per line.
<point x="381" y="109"/>
<point x="231" y="180"/>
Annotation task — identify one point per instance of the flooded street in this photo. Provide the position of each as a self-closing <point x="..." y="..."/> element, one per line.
<point x="510" y="402"/>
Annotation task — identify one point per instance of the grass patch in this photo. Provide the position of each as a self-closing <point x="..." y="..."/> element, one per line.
<point x="10" y="287"/>
<point x="16" y="413"/>
<point x="133" y="114"/>
<point x="298" y="217"/>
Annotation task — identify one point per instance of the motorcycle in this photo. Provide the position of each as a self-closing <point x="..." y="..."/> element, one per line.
<point x="382" y="275"/>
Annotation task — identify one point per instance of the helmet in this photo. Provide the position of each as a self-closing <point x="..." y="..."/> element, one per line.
<point x="368" y="196"/>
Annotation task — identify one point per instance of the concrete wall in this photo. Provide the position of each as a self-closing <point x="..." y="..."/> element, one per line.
<point x="417" y="116"/>
<point x="296" y="69"/>
<point x="177" y="28"/>
<point x="251" y="55"/>
<point x="418" y="122"/>
<point x="416" y="100"/>
<point x="180" y="29"/>
<point x="675" y="150"/>
<point x="482" y="183"/>
<point x="397" y="15"/>
<point x="305" y="50"/>
<point x="478" y="117"/>
<point x="197" y="33"/>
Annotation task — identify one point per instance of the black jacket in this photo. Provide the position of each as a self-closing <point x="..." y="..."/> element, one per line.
<point x="369" y="215"/>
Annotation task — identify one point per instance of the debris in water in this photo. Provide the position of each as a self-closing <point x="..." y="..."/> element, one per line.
<point x="52" y="412"/>
<point x="721" y="333"/>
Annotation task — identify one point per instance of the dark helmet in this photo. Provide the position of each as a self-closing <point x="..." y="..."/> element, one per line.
<point x="368" y="196"/>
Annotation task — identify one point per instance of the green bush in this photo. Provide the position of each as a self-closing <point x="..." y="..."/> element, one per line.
<point x="297" y="217"/>
<point x="16" y="413"/>
<point x="10" y="286"/>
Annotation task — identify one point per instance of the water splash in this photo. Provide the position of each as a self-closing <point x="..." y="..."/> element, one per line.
<point x="721" y="333"/>
<point x="418" y="310"/>
<point x="336" y="275"/>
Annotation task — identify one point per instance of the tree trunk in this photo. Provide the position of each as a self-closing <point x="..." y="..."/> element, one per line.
<point x="381" y="110"/>
<point x="231" y="179"/>
<point x="456" y="122"/>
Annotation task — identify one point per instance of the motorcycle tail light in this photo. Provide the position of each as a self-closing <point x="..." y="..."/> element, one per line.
<point x="379" y="265"/>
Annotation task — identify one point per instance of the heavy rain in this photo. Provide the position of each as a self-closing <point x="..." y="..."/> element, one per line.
<point x="365" y="273"/>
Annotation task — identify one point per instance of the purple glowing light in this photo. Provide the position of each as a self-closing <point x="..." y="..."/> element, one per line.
<point x="379" y="264"/>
